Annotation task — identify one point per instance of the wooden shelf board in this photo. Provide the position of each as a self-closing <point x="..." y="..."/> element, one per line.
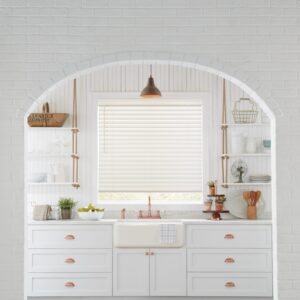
<point x="216" y="211"/>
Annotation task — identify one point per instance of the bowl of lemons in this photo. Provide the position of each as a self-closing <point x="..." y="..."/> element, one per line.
<point x="90" y="213"/>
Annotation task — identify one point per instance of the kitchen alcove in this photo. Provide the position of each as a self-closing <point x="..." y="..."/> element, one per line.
<point x="48" y="148"/>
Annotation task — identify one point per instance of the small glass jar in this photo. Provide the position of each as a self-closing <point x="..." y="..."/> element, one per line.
<point x="207" y="204"/>
<point x="55" y="212"/>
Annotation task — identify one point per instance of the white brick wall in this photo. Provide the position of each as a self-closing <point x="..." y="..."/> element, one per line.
<point x="42" y="41"/>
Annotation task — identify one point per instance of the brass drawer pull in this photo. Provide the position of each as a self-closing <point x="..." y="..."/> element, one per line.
<point x="230" y="284"/>
<point x="146" y="253"/>
<point x="229" y="236"/>
<point x="70" y="237"/>
<point x="229" y="260"/>
<point x="151" y="253"/>
<point x="69" y="284"/>
<point x="69" y="260"/>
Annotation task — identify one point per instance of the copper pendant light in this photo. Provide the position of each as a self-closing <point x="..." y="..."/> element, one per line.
<point x="150" y="90"/>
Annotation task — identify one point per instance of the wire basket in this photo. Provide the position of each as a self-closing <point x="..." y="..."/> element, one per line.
<point x="244" y="111"/>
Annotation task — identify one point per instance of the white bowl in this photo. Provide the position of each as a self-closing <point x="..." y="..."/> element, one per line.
<point x="91" y="215"/>
<point x="38" y="177"/>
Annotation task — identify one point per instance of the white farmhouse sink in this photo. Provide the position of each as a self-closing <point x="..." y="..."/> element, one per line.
<point x="145" y="234"/>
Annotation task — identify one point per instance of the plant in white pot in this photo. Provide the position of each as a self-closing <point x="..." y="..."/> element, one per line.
<point x="219" y="203"/>
<point x="212" y="187"/>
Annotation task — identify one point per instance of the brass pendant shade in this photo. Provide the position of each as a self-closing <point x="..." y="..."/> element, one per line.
<point x="150" y="90"/>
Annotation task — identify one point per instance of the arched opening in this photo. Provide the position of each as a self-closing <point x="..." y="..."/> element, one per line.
<point x="128" y="77"/>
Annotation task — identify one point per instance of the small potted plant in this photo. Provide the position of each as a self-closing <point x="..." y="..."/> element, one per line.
<point x="207" y="204"/>
<point x="212" y="187"/>
<point x="219" y="203"/>
<point x="66" y="205"/>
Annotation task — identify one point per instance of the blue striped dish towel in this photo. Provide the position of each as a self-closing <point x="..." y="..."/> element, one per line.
<point x="168" y="233"/>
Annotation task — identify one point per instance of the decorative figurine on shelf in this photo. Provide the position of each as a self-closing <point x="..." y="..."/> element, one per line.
<point x="239" y="169"/>
<point x="212" y="187"/>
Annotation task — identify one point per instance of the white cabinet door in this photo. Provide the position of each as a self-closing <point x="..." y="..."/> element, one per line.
<point x="167" y="272"/>
<point x="131" y="272"/>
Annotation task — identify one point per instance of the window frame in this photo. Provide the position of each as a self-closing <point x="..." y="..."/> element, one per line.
<point x="130" y="98"/>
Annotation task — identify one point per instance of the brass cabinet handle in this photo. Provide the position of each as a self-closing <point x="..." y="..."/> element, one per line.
<point x="229" y="236"/>
<point x="230" y="284"/>
<point x="70" y="237"/>
<point x="151" y="253"/>
<point x="229" y="260"/>
<point x="69" y="284"/>
<point x="69" y="260"/>
<point x="146" y="253"/>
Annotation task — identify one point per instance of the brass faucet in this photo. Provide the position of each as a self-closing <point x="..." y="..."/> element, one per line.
<point x="149" y="212"/>
<point x="149" y="207"/>
<point x="123" y="213"/>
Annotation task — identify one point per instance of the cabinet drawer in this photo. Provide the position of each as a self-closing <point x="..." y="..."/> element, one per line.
<point x="225" y="260"/>
<point x="66" y="284"/>
<point x="225" y="236"/>
<point x="43" y="260"/>
<point x="70" y="236"/>
<point x="230" y="284"/>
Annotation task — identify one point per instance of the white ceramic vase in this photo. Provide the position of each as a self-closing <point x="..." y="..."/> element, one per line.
<point x="251" y="145"/>
<point x="237" y="143"/>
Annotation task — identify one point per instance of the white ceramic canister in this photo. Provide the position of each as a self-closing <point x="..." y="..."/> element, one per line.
<point x="59" y="171"/>
<point x="251" y="145"/>
<point x="50" y="178"/>
<point x="237" y="143"/>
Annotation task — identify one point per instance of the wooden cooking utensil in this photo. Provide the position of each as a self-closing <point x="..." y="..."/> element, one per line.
<point x="246" y="196"/>
<point x="258" y="194"/>
<point x="252" y="198"/>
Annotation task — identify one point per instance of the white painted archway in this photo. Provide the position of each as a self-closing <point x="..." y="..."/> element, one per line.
<point x="192" y="62"/>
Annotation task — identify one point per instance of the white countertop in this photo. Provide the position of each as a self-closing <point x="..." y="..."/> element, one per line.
<point x="185" y="221"/>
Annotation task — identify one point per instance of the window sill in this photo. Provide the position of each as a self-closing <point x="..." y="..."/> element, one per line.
<point x="141" y="205"/>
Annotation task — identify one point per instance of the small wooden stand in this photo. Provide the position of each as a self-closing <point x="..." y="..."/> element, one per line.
<point x="216" y="214"/>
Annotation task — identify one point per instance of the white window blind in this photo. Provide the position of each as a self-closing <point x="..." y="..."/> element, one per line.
<point x="150" y="148"/>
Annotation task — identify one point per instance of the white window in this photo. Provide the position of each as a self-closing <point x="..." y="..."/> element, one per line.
<point x="150" y="148"/>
